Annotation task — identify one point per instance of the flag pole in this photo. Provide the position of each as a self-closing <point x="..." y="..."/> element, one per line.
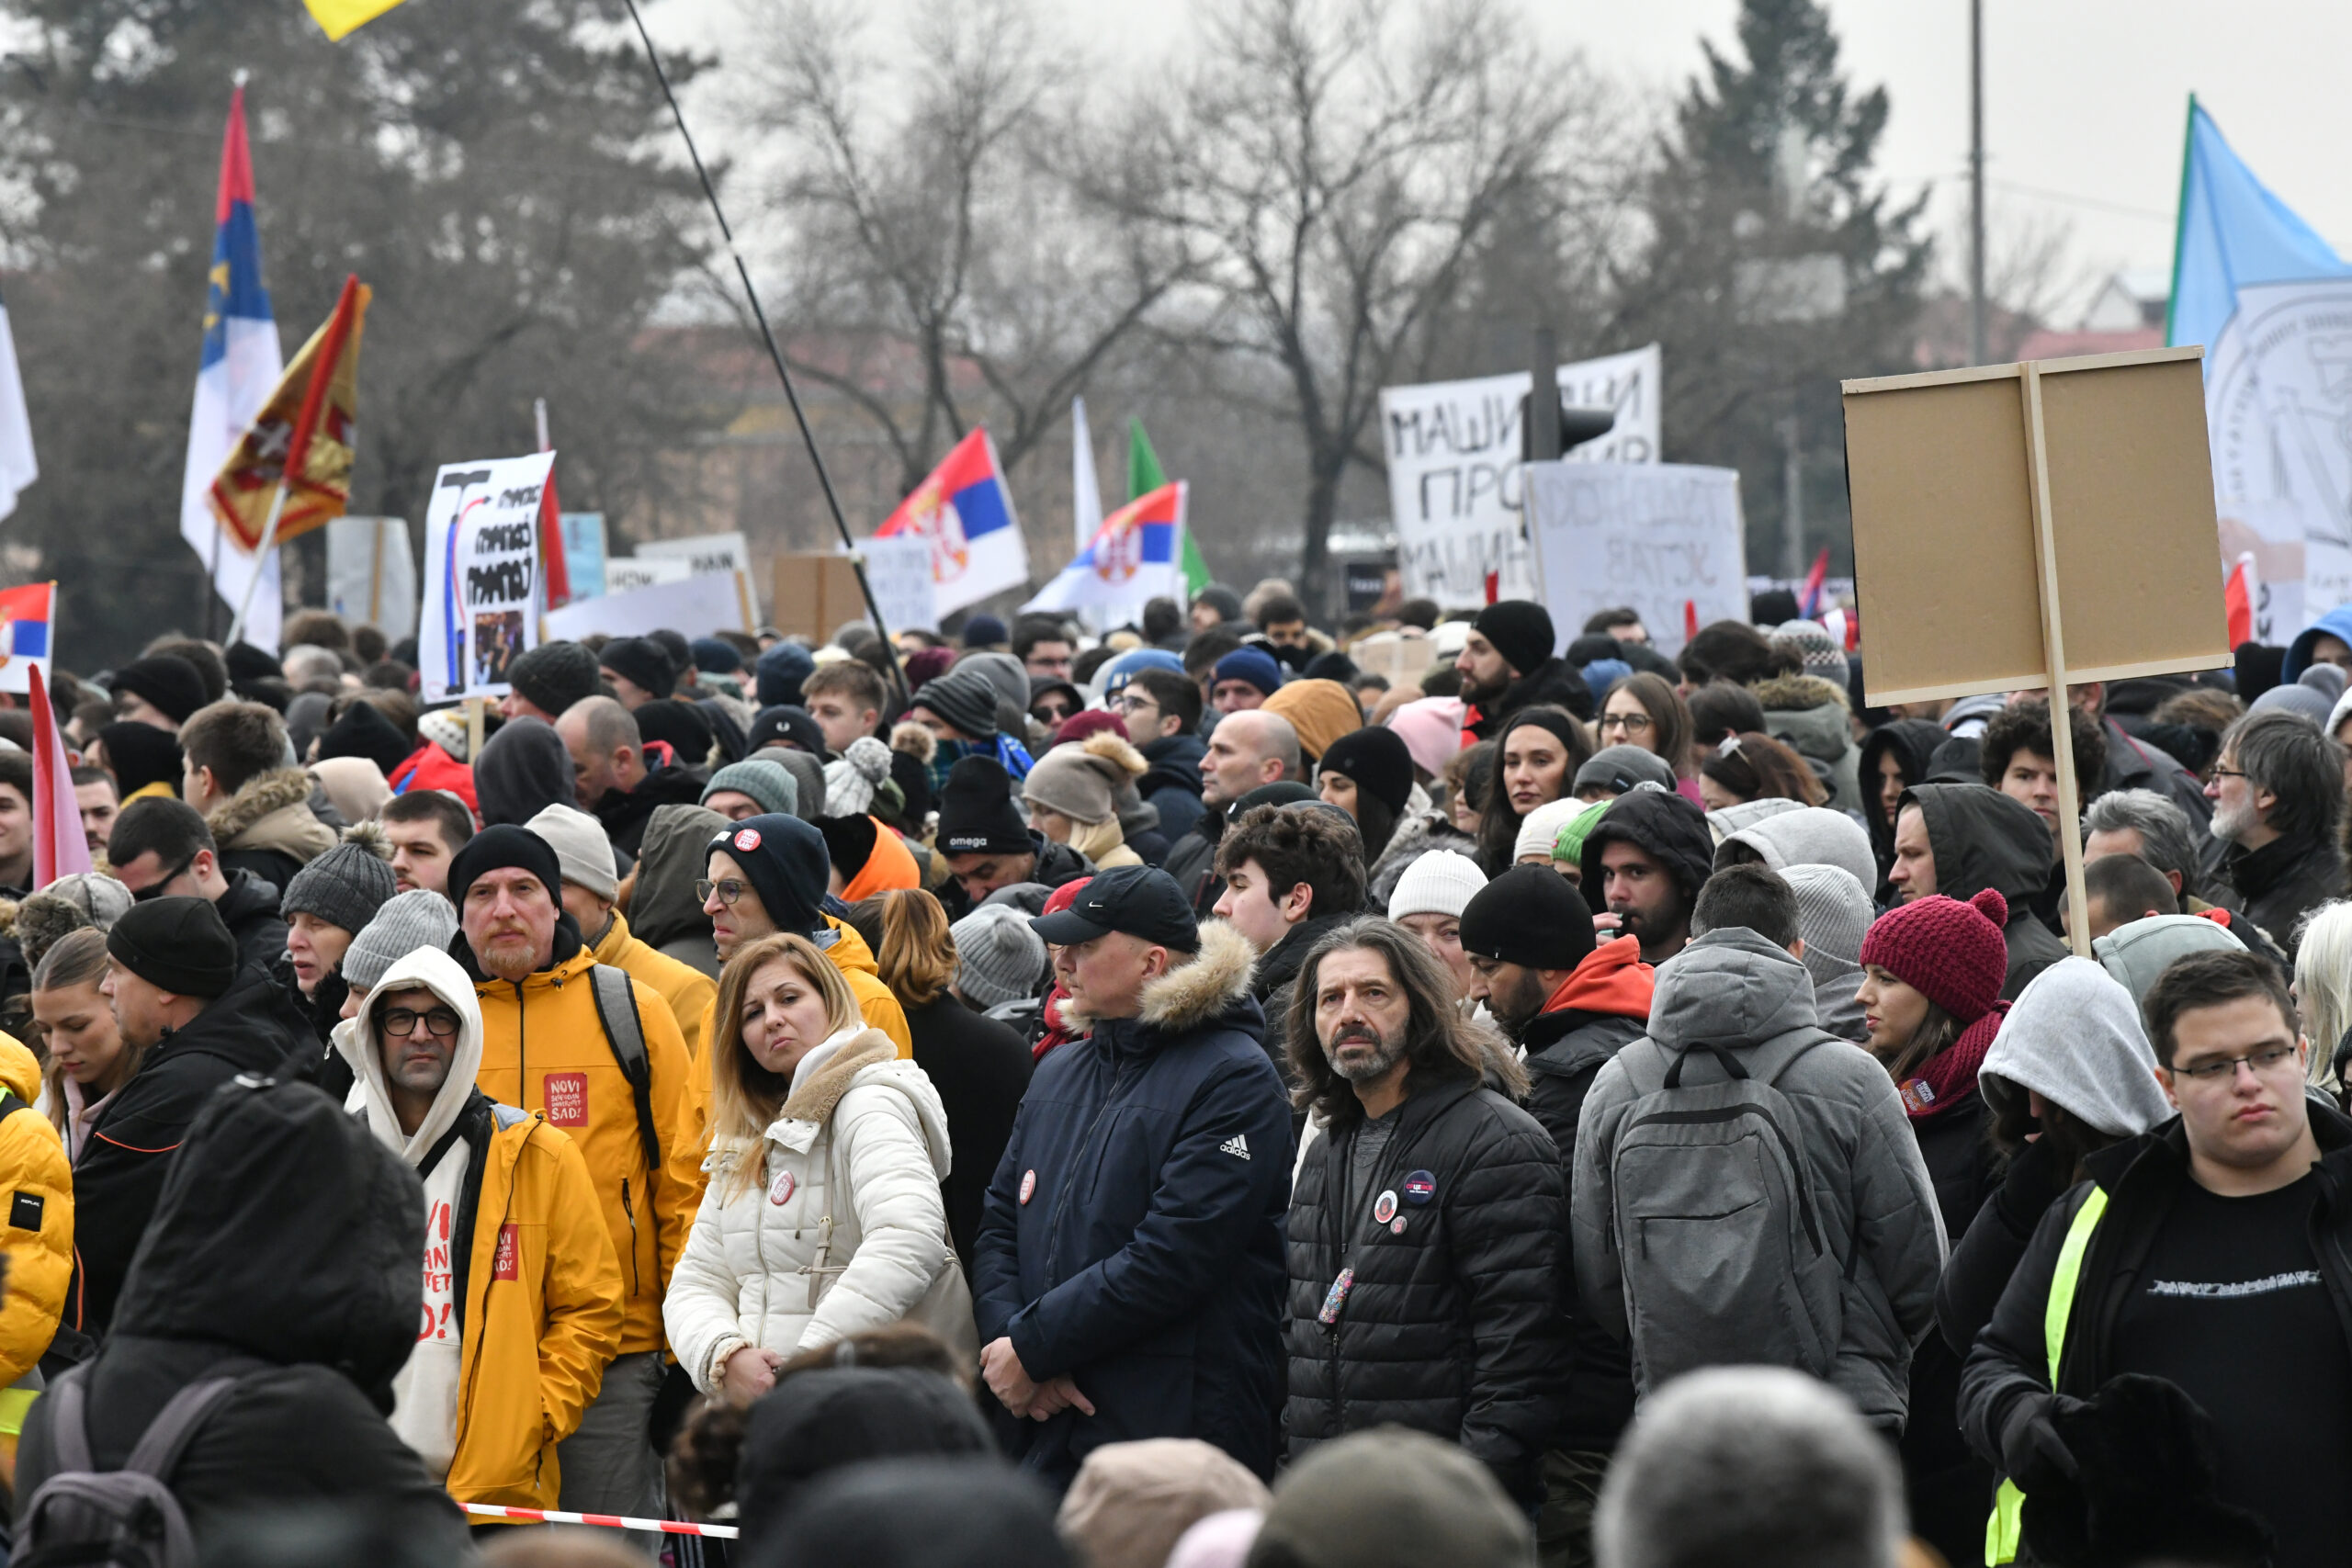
<point x="776" y="354"/>
<point x="261" y="562"/>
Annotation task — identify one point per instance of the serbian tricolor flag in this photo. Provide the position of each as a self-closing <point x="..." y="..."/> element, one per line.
<point x="2237" y="600"/>
<point x="964" y="509"/>
<point x="239" y="366"/>
<point x="24" y="634"/>
<point x="60" y="846"/>
<point x="1137" y="554"/>
<point x="1809" y="602"/>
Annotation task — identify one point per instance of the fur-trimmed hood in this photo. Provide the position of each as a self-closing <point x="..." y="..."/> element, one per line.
<point x="1794" y="694"/>
<point x="1196" y="992"/>
<point x="272" y="812"/>
<point x="860" y="1058"/>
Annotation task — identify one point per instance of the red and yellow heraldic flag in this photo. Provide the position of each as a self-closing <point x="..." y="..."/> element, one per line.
<point x="305" y="435"/>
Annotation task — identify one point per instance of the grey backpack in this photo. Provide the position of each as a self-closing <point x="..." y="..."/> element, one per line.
<point x="1718" y="1236"/>
<point x="114" y="1518"/>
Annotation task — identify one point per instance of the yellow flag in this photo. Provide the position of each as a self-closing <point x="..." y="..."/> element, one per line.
<point x="340" y="16"/>
<point x="305" y="435"/>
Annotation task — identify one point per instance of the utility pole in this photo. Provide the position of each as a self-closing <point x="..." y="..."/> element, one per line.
<point x="1793" y="562"/>
<point x="1977" y="325"/>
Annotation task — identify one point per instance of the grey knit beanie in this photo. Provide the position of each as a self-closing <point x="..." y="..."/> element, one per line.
<point x="764" y="779"/>
<point x="581" y="848"/>
<point x="850" y="779"/>
<point x="347" y="885"/>
<point x="998" y="958"/>
<point x="806" y="771"/>
<point x="418" y="918"/>
<point x="966" y="698"/>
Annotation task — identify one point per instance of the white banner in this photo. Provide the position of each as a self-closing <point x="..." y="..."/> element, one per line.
<point x="1655" y="535"/>
<point x="482" y="574"/>
<point x="899" y="571"/>
<point x="705" y="555"/>
<point x="2279" y="408"/>
<point x="626" y="574"/>
<point x="695" y="605"/>
<point x="1453" y="481"/>
<point x="372" y="577"/>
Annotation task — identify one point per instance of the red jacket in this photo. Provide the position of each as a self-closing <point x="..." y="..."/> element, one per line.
<point x="429" y="767"/>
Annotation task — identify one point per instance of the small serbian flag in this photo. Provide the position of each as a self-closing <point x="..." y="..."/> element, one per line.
<point x="61" y="845"/>
<point x="2237" y="600"/>
<point x="1809" y="601"/>
<point x="24" y="634"/>
<point x="964" y="509"/>
<point x="1137" y="555"/>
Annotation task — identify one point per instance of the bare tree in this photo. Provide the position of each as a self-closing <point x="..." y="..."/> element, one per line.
<point x="948" y="270"/>
<point x="1338" y="166"/>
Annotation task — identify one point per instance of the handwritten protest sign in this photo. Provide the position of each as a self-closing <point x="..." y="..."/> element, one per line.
<point x="1454" y="470"/>
<point x="481" y="573"/>
<point x="626" y="574"/>
<point x="899" y="571"/>
<point x="1655" y="536"/>
<point x="705" y="555"/>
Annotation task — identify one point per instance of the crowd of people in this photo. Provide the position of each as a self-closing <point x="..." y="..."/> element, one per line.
<point x="1180" y="1096"/>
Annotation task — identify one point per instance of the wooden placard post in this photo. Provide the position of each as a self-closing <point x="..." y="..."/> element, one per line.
<point x="2036" y="524"/>
<point x="477" y="719"/>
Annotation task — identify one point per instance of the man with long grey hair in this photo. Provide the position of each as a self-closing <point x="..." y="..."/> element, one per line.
<point x="1425" y="1225"/>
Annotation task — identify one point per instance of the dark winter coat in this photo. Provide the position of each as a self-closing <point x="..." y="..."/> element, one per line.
<point x="285" y="1243"/>
<point x="1810" y="715"/>
<point x="2134" y="763"/>
<point x="1147" y="1260"/>
<point x="315" y="1060"/>
<point x="1914" y="743"/>
<point x="1192" y="861"/>
<point x="1945" y="1485"/>
<point x="1172" y="781"/>
<point x="1451" y="1325"/>
<point x="249" y="908"/>
<point x="1983" y="839"/>
<point x="624" y="813"/>
<point x="1555" y="681"/>
<point x="980" y="1068"/>
<point x="249" y="1029"/>
<point x="2284" y="881"/>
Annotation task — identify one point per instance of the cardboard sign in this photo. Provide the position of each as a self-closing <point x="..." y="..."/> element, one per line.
<point x="816" y="590"/>
<point x="700" y="605"/>
<point x="371" y="576"/>
<point x="482" y="574"/>
<point x="705" y="555"/>
<point x="898" y="568"/>
<point x="1454" y="480"/>
<point x="1655" y="535"/>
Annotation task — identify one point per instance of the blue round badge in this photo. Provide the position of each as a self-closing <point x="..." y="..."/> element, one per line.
<point x="1420" y="1186"/>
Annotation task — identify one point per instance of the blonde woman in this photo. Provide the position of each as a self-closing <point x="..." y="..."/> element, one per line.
<point x="2323" y="990"/>
<point x="822" y="1217"/>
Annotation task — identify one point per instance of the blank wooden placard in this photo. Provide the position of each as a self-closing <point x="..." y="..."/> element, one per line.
<point x="816" y="590"/>
<point x="1939" y="472"/>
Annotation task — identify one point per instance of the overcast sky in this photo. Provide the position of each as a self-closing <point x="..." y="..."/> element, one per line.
<point x="2084" y="99"/>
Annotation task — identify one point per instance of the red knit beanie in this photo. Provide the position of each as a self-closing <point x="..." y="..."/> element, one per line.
<point x="1952" y="953"/>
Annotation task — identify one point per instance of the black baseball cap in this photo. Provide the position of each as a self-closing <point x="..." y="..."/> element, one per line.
<point x="1141" y="900"/>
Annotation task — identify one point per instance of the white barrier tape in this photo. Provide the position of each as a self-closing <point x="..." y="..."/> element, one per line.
<point x="609" y="1521"/>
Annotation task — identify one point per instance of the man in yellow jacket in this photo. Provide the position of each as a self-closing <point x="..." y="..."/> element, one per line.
<point x="586" y="856"/>
<point x="600" y="1056"/>
<point x="38" y="1240"/>
<point x="521" y="1309"/>
<point x="768" y="874"/>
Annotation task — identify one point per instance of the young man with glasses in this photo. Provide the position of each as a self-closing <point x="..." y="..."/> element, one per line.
<point x="1161" y="709"/>
<point x="523" y="1292"/>
<point x="2214" y="1252"/>
<point x="160" y="848"/>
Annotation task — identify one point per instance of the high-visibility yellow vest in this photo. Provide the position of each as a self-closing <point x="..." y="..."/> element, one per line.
<point x="2008" y="1523"/>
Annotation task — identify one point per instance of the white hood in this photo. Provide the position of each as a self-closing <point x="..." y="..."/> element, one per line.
<point x="356" y="1038"/>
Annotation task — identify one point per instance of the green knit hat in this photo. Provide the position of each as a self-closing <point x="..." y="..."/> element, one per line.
<point x="1569" y="845"/>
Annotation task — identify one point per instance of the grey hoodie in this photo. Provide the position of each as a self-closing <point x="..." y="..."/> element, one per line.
<point x="1877" y="1208"/>
<point x="1811" y="835"/>
<point x="2075" y="1038"/>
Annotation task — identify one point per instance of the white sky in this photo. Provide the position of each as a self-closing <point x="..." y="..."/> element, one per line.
<point x="2084" y="99"/>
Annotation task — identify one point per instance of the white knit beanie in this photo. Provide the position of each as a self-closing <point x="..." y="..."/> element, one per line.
<point x="998" y="958"/>
<point x="1539" y="829"/>
<point x="1439" y="883"/>
<point x="850" y="781"/>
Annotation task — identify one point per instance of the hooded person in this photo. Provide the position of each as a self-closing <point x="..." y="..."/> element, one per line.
<point x="1508" y="664"/>
<point x="2328" y="638"/>
<point x="499" y="1376"/>
<point x="682" y="729"/>
<point x="769" y="875"/>
<point x="523" y="770"/>
<point x="1894" y="757"/>
<point x="1979" y="837"/>
<point x="356" y="788"/>
<point x="144" y="761"/>
<point x="665" y="909"/>
<point x="1073" y="794"/>
<point x="327" y="1228"/>
<point x="1834" y="914"/>
<point x="178" y="993"/>
<point x="1807" y="710"/>
<point x="1654" y="886"/>
<point x="2136" y="951"/>
<point x="1811" y="835"/>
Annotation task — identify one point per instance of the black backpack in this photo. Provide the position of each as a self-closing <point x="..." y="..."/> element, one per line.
<point x="114" y="1518"/>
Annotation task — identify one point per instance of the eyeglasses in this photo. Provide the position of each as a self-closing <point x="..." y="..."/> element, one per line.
<point x="400" y="1023"/>
<point x="2220" y="773"/>
<point x="2269" y="1059"/>
<point x="156" y="889"/>
<point x="1631" y="723"/>
<point x="1124" y="704"/>
<point x="729" y="891"/>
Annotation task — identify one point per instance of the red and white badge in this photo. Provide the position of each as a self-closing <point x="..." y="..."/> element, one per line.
<point x="1028" y="1185"/>
<point x="780" y="1191"/>
<point x="565" y="1096"/>
<point x="1384" y="1208"/>
<point x="748" y="840"/>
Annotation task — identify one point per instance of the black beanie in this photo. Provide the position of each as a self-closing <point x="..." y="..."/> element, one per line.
<point x="175" y="944"/>
<point x="849" y="841"/>
<point x="500" y="845"/>
<point x="786" y="861"/>
<point x="140" y="754"/>
<point x="1378" y="763"/>
<point x="247" y="662"/>
<point x="167" y="681"/>
<point x="642" y="661"/>
<point x="363" y="731"/>
<point x="553" y="676"/>
<point x="788" y="724"/>
<point x="681" y="724"/>
<point x="1521" y="630"/>
<point x="976" y="814"/>
<point x="1530" y="915"/>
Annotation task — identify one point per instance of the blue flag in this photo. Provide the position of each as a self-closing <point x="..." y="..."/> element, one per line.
<point x="2232" y="232"/>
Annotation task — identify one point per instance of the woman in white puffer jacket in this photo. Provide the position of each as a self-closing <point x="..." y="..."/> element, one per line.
<point x="822" y="1217"/>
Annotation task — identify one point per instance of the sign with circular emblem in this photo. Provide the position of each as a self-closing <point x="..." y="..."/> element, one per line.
<point x="748" y="840"/>
<point x="1028" y="1185"/>
<point x="781" y="1191"/>
<point x="1384" y="1208"/>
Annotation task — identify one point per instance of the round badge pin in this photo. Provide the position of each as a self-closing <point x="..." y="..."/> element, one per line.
<point x="748" y="840"/>
<point x="1420" y="1186"/>
<point x="1384" y="1208"/>
<point x="1028" y="1185"/>
<point x="781" y="1192"/>
<point x="1397" y="1225"/>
